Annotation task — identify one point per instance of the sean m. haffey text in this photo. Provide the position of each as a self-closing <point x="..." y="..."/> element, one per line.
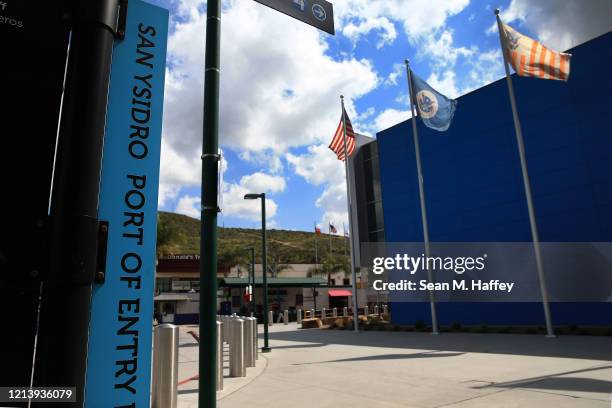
<point x="411" y="264"/>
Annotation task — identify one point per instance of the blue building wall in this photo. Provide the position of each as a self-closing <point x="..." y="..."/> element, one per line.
<point x="473" y="181"/>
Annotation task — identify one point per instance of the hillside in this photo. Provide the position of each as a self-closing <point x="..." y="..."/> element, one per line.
<point x="179" y="234"/>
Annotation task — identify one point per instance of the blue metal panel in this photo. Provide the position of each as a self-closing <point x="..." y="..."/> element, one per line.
<point x="473" y="182"/>
<point x="119" y="355"/>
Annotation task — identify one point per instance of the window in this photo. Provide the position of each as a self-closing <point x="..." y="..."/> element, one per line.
<point x="346" y="281"/>
<point x="332" y="282"/>
<point x="299" y="299"/>
<point x="164" y="285"/>
<point x="236" y="301"/>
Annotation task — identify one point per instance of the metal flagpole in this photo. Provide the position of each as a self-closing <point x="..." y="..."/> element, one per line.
<point x="316" y="251"/>
<point x="417" y="150"/>
<point x="532" y="219"/>
<point x="330" y="238"/>
<point x="350" y="214"/>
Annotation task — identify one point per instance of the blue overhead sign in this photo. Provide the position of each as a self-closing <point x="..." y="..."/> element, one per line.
<point x="119" y="350"/>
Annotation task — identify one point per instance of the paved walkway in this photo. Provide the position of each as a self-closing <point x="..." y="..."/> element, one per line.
<point x="188" y="369"/>
<point x="331" y="368"/>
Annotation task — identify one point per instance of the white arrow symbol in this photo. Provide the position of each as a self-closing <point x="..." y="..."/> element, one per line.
<point x="319" y="12"/>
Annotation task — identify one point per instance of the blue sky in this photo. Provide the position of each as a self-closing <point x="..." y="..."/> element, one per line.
<point x="281" y="81"/>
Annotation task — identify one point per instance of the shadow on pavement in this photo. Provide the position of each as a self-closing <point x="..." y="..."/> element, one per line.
<point x="582" y="347"/>
<point x="427" y="354"/>
<point x="557" y="382"/>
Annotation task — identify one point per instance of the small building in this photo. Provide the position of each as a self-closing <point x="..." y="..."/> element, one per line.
<point x="177" y="287"/>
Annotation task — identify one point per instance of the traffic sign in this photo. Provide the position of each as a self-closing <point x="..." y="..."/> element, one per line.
<point x="317" y="13"/>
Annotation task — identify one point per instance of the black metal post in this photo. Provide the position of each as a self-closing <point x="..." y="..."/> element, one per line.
<point x="264" y="263"/>
<point x="252" y="279"/>
<point x="207" y="394"/>
<point x="66" y="300"/>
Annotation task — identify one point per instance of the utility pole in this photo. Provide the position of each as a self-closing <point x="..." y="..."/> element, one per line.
<point x="207" y="389"/>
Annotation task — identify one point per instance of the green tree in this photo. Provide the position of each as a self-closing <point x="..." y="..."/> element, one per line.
<point x="168" y="235"/>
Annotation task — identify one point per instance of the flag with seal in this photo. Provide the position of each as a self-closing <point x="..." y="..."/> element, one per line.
<point x="436" y="110"/>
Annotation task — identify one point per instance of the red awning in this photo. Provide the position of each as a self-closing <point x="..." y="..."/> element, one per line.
<point x="340" y="292"/>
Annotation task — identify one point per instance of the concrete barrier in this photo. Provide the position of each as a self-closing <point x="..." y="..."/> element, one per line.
<point x="165" y="366"/>
<point x="237" y="363"/>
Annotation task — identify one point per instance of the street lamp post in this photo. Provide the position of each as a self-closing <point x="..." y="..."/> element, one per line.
<point x="252" y="279"/>
<point x="264" y="264"/>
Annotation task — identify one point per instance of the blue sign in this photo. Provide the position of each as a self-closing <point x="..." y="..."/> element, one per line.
<point x="119" y="355"/>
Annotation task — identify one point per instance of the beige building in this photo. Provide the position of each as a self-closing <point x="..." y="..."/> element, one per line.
<point x="298" y="286"/>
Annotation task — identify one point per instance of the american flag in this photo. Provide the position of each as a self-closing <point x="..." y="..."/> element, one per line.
<point x="530" y="58"/>
<point x="332" y="229"/>
<point x="337" y="143"/>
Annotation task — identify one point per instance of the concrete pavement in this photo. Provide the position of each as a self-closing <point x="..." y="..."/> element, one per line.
<point x="332" y="368"/>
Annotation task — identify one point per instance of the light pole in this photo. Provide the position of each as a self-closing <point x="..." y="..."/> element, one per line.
<point x="264" y="264"/>
<point x="252" y="279"/>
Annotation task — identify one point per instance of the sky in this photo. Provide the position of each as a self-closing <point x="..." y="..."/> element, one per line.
<point x="281" y="81"/>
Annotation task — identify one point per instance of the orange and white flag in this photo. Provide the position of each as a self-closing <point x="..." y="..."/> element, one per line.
<point x="530" y="58"/>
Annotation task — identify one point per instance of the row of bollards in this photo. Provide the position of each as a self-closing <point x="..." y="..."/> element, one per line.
<point x="311" y="314"/>
<point x="240" y="332"/>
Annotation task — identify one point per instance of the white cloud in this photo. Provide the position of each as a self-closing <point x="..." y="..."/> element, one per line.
<point x="387" y="30"/>
<point x="438" y="47"/>
<point x="356" y="18"/>
<point x="560" y="25"/>
<point x="188" y="205"/>
<point x="279" y="89"/>
<point x="263" y="183"/>
<point x="444" y="83"/>
<point x="319" y="166"/>
<point x="398" y="71"/>
<point x="390" y="117"/>
<point x="235" y="205"/>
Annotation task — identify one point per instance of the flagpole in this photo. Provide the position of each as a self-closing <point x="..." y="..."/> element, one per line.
<point x="344" y="236"/>
<point x="417" y="150"/>
<point x="350" y="214"/>
<point x="532" y="218"/>
<point x="330" y="239"/>
<point x="316" y="251"/>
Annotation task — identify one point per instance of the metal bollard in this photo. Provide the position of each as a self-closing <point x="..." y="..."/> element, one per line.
<point x="219" y="355"/>
<point x="249" y="358"/>
<point x="312" y="314"/>
<point x="376" y="309"/>
<point x="270" y="318"/>
<point x="299" y="316"/>
<point x="335" y="312"/>
<point x="237" y="367"/>
<point x="224" y="328"/>
<point x="286" y="317"/>
<point x="323" y="313"/>
<point x="254" y="339"/>
<point x="256" y="334"/>
<point x="345" y="311"/>
<point x="385" y="309"/>
<point x="366" y="311"/>
<point x="165" y="366"/>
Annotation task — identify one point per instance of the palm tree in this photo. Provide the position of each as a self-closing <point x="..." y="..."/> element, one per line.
<point x="336" y="264"/>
